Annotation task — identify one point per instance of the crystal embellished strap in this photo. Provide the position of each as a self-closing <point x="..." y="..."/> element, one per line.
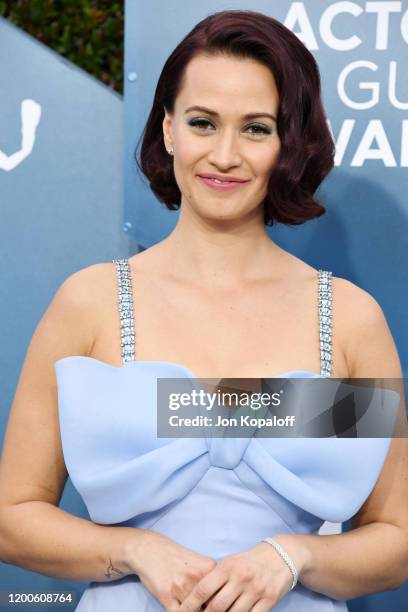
<point x="325" y="322"/>
<point x="125" y="301"/>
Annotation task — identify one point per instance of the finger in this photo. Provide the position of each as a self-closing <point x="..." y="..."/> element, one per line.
<point x="184" y="584"/>
<point x="203" y="590"/>
<point x="225" y="597"/>
<point x="263" y="605"/>
<point x="244" y="602"/>
<point x="172" y="606"/>
<point x="182" y="588"/>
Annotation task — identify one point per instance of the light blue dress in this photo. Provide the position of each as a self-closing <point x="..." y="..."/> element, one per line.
<point x="216" y="496"/>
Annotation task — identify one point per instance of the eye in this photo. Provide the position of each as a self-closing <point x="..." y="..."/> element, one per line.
<point x="200" y="123"/>
<point x="263" y="129"/>
<point x="260" y="130"/>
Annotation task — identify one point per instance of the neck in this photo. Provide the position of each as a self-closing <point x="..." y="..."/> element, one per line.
<point x="221" y="252"/>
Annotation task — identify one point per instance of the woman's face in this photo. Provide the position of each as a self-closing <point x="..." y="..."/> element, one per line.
<point x="223" y="141"/>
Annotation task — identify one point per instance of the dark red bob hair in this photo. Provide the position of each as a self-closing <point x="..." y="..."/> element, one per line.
<point x="307" y="148"/>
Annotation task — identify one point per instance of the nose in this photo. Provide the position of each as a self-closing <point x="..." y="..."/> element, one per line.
<point x="225" y="150"/>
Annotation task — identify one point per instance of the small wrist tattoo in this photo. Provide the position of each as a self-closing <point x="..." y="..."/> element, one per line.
<point x="112" y="571"/>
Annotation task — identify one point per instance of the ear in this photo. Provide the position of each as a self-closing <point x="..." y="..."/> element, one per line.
<point x="167" y="129"/>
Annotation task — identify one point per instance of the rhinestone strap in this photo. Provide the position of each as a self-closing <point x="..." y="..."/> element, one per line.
<point x="325" y="322"/>
<point x="125" y="301"/>
<point x="127" y="331"/>
<point x="286" y="558"/>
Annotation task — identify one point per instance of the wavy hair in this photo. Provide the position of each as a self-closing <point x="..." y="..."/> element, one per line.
<point x="307" y="148"/>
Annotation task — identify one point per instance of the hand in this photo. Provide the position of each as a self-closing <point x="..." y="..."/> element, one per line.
<point x="167" y="569"/>
<point x="255" y="579"/>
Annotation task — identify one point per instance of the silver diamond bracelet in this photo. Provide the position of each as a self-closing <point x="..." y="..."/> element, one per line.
<point x="286" y="558"/>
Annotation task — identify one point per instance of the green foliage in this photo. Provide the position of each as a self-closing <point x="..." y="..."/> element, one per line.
<point x="88" y="33"/>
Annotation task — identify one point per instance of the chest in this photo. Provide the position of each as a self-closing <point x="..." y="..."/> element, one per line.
<point x="255" y="332"/>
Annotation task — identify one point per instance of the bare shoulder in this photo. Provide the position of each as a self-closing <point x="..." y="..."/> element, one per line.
<point x="69" y="324"/>
<point x="358" y="309"/>
<point x="368" y="343"/>
<point x="81" y="287"/>
<point x="66" y="328"/>
<point x="361" y="303"/>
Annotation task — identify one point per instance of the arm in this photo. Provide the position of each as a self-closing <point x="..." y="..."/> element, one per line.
<point x="373" y="556"/>
<point x="34" y="532"/>
<point x="40" y="537"/>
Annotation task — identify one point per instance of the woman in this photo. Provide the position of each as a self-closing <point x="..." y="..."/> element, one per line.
<point x="180" y="524"/>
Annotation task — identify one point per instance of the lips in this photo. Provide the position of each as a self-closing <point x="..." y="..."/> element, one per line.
<point x="219" y="182"/>
<point x="222" y="180"/>
<point x="221" y="185"/>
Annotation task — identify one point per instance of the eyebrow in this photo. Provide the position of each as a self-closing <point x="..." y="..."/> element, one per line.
<point x="215" y="114"/>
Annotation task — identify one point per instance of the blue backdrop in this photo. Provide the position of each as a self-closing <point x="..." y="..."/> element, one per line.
<point x="61" y="209"/>
<point x="70" y="194"/>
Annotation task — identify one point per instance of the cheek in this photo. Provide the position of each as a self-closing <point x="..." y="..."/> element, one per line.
<point x="183" y="166"/>
<point x="265" y="162"/>
<point x="188" y="145"/>
<point x="188" y="155"/>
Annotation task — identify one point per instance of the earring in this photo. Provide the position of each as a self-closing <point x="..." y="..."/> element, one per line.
<point x="170" y="150"/>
